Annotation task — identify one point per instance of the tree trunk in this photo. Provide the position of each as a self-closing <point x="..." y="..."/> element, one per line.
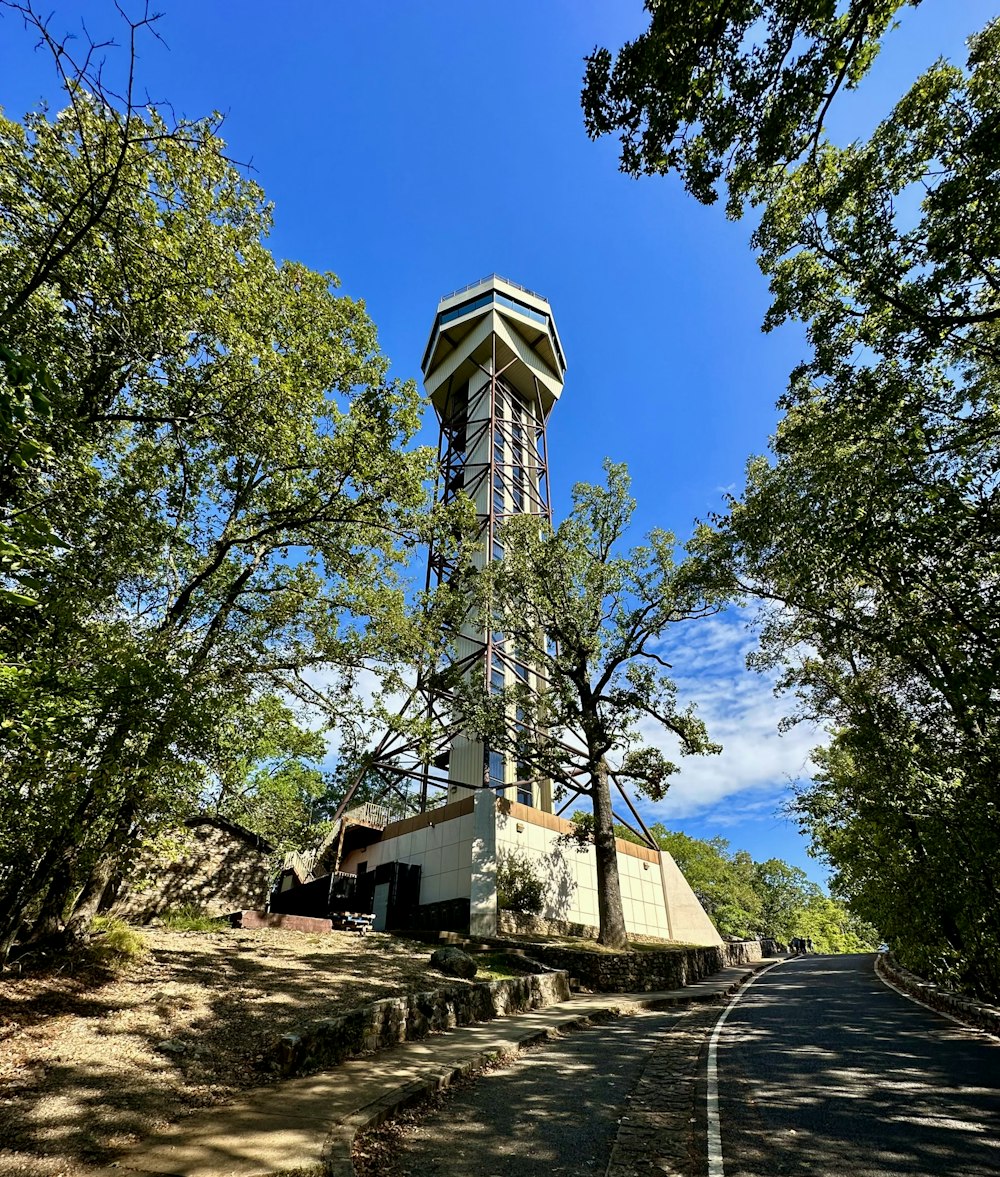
<point x="609" y="894"/>
<point x="89" y="899"/>
<point x="49" y="921"/>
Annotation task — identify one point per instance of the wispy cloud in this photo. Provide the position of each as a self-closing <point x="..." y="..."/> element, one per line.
<point x="750" y="778"/>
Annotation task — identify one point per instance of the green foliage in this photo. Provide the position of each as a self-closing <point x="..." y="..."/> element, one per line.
<point x="871" y="530"/>
<point x="747" y="898"/>
<point x="520" y="886"/>
<point x="727" y="885"/>
<point x="874" y="528"/>
<point x="25" y="535"/>
<point x="497" y="966"/>
<point x="832" y="927"/>
<point x="115" y="945"/>
<point x="229" y="473"/>
<point x="589" y="619"/>
<point x="189" y="918"/>
<point x="267" y="775"/>
<point x="732" y="91"/>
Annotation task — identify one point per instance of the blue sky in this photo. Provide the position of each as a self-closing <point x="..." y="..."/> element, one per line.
<point x="413" y="146"/>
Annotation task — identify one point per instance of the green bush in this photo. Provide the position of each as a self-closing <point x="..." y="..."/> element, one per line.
<point x="519" y="885"/>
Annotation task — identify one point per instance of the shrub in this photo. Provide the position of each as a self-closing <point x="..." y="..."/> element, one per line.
<point x="519" y="885"/>
<point x="114" y="944"/>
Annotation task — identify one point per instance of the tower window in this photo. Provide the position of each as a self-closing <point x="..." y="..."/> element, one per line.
<point x="498" y="766"/>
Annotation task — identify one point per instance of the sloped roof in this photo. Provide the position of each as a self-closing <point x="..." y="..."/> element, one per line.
<point x="231" y="827"/>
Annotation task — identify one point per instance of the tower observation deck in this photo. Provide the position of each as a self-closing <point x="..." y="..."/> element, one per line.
<point x="493" y="370"/>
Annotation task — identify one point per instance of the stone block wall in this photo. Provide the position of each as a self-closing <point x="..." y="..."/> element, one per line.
<point x="647" y="971"/>
<point x="964" y="1009"/>
<point x="411" y="1016"/>
<point x="215" y="870"/>
<point x="740" y="952"/>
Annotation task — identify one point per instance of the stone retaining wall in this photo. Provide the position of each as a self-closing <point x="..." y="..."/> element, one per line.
<point x="738" y="952"/>
<point x="216" y="867"/>
<point x="520" y="923"/>
<point x="410" y="1016"/>
<point x="965" y="1009"/>
<point x="645" y="971"/>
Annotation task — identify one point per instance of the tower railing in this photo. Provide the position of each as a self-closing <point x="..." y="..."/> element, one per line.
<point x="491" y="278"/>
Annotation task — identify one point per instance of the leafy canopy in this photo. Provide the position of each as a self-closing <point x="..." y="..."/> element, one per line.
<point x="731" y="89"/>
<point x="228" y="470"/>
<point x="871" y="530"/>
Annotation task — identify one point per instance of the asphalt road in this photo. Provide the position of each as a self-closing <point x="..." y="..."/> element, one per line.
<point x="554" y="1110"/>
<point x="825" y="1071"/>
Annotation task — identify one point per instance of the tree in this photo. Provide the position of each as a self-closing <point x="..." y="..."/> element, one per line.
<point x="783" y="890"/>
<point x="715" y="90"/>
<point x="591" y="622"/>
<point x="726" y="884"/>
<point x="230" y="485"/>
<point x="880" y="553"/>
<point x="871" y="533"/>
<point x="772" y="898"/>
<point x="266" y="774"/>
<point x="833" y="927"/>
<point x="53" y="226"/>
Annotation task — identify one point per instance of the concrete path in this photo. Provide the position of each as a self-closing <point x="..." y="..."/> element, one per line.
<point x="307" y="1126"/>
<point x="557" y="1110"/>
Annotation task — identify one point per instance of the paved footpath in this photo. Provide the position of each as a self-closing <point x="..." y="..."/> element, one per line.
<point x="617" y="1098"/>
<point x="661" y="1131"/>
<point x="307" y="1126"/>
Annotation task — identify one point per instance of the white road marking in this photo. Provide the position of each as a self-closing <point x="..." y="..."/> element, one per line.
<point x="715" y="1165"/>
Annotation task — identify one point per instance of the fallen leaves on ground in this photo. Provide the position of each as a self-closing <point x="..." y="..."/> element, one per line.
<point x="90" y="1062"/>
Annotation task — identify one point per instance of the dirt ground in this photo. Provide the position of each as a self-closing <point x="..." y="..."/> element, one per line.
<point x="90" y="1063"/>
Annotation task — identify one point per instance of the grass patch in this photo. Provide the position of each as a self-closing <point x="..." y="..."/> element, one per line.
<point x="190" y="919"/>
<point x="115" y="945"/>
<point x="497" y="966"/>
<point x="657" y="946"/>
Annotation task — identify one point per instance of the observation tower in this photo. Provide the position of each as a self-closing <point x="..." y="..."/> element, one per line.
<point x="493" y="370"/>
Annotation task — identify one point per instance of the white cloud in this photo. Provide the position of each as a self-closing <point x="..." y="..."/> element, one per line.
<point x="751" y="777"/>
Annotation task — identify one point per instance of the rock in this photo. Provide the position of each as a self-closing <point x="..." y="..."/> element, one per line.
<point x="172" y="1046"/>
<point x="454" y="962"/>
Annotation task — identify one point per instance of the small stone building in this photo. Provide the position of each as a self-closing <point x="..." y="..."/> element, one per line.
<point x="219" y="867"/>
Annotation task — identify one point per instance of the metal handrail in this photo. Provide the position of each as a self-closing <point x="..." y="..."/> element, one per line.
<point x="499" y="278"/>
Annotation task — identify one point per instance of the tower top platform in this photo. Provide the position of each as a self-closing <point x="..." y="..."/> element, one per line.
<point x="519" y="322"/>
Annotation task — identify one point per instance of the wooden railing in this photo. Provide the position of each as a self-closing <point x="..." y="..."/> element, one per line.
<point x="369" y="814"/>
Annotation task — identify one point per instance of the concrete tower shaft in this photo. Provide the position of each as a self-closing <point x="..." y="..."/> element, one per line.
<point x="493" y="369"/>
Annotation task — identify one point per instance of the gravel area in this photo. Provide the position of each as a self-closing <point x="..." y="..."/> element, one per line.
<point x="90" y="1063"/>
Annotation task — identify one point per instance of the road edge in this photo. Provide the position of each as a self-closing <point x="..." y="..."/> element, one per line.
<point x="624" y="1159"/>
<point x="963" y="1011"/>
